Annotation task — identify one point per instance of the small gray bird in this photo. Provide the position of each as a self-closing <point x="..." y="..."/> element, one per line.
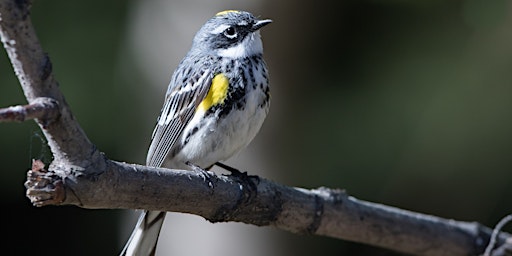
<point x="215" y="105"/>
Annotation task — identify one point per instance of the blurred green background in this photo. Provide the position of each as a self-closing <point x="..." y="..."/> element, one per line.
<point x="406" y="103"/>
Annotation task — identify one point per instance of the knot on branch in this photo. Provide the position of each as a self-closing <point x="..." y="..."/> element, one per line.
<point x="44" y="187"/>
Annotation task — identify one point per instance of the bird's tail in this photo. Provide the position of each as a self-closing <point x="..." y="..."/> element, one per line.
<point x="143" y="240"/>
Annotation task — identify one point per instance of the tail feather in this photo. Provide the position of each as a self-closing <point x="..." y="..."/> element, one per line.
<point x="143" y="240"/>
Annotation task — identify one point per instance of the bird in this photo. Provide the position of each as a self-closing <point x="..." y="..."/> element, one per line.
<point x="215" y="104"/>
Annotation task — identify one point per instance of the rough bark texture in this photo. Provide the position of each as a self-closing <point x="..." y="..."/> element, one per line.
<point x="257" y="201"/>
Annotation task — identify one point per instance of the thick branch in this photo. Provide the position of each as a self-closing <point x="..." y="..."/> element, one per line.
<point x="68" y="142"/>
<point x="262" y="202"/>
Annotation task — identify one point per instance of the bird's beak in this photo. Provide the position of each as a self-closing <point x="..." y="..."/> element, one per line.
<point x="260" y="23"/>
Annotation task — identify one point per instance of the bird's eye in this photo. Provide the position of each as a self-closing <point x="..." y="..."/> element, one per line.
<point x="230" y="32"/>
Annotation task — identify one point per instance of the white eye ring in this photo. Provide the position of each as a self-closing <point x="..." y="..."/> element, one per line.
<point x="230" y="32"/>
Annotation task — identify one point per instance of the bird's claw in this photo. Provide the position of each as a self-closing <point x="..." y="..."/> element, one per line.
<point x="207" y="177"/>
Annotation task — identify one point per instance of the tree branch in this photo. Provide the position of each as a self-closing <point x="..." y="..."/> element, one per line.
<point x="40" y="108"/>
<point x="257" y="201"/>
<point x="81" y="175"/>
<point x="68" y="142"/>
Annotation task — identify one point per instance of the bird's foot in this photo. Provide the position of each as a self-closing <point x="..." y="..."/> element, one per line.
<point x="207" y="177"/>
<point x="250" y="180"/>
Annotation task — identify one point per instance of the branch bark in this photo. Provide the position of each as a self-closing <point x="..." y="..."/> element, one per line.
<point x="257" y="201"/>
<point x="68" y="142"/>
<point x="81" y="175"/>
<point x="40" y="108"/>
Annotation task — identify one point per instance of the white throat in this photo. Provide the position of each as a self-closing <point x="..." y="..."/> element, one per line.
<point x="250" y="46"/>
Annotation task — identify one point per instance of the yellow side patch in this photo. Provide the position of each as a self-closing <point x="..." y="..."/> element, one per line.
<point x="226" y="12"/>
<point x="217" y="93"/>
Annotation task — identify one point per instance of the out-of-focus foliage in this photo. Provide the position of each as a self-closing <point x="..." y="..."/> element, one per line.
<point x="407" y="103"/>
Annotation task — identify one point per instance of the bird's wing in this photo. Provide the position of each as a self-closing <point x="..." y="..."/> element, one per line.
<point x="185" y="93"/>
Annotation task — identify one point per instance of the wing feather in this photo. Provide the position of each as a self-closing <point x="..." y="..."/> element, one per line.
<point x="183" y="97"/>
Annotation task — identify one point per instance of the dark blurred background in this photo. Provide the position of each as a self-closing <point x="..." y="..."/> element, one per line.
<point x="406" y="103"/>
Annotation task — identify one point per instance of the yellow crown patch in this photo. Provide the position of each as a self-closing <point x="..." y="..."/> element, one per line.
<point x="226" y="12"/>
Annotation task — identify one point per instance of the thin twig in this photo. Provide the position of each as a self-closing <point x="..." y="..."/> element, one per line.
<point x="495" y="233"/>
<point x="45" y="109"/>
